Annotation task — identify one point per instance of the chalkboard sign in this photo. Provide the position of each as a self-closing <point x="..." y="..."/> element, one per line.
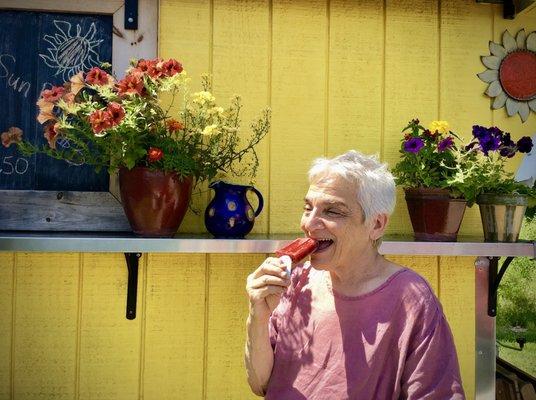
<point x="39" y="50"/>
<point x="43" y="48"/>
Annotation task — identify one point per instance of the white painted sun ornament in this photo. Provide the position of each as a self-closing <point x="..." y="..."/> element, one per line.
<point x="69" y="53"/>
<point x="511" y="73"/>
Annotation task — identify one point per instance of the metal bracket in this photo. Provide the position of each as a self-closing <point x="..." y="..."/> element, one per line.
<point x="494" y="281"/>
<point x="132" y="288"/>
<point x="131" y="14"/>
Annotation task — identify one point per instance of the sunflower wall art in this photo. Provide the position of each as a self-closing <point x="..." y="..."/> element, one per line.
<point x="511" y="73"/>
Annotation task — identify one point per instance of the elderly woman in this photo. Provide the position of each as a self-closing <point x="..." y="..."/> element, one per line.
<point x="349" y="324"/>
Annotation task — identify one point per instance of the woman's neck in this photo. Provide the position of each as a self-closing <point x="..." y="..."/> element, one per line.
<point x="363" y="276"/>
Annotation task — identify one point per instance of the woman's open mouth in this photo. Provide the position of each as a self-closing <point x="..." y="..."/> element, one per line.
<point x="323" y="244"/>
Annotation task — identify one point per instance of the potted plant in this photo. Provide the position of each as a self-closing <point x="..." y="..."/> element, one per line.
<point x="436" y="206"/>
<point x="123" y="126"/>
<point x="482" y="176"/>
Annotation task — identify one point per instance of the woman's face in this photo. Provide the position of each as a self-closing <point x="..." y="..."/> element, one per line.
<point x="333" y="216"/>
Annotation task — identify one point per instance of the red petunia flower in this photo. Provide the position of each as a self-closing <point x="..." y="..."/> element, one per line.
<point x="144" y="66"/>
<point x="51" y="134"/>
<point x="100" y="120"/>
<point x="173" y="125"/>
<point x="131" y="84"/>
<point x="154" y="154"/>
<point x="171" y="67"/>
<point x="155" y="68"/>
<point x="53" y="94"/>
<point x="117" y="112"/>
<point x="97" y="76"/>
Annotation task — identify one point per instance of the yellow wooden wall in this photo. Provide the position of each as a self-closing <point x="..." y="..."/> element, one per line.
<point x="337" y="75"/>
<point x="64" y="334"/>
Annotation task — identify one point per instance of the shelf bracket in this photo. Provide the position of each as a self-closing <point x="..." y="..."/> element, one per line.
<point x="132" y="287"/>
<point x="494" y="281"/>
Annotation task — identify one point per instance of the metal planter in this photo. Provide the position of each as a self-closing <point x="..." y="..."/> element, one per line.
<point x="502" y="216"/>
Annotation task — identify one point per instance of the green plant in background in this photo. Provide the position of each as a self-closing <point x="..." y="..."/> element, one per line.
<point x="517" y="307"/>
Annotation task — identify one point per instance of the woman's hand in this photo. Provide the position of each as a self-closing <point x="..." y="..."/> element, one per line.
<point x="265" y="287"/>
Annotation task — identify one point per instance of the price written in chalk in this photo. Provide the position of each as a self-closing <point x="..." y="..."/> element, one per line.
<point x="13" y="165"/>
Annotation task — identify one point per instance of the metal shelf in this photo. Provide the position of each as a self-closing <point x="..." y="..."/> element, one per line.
<point x="254" y="243"/>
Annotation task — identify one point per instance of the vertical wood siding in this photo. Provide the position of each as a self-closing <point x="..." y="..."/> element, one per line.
<point x="337" y="75"/>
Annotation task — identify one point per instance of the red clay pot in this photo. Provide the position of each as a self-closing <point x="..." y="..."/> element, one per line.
<point x="154" y="202"/>
<point x="435" y="216"/>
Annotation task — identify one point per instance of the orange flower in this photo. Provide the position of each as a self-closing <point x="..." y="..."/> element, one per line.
<point x="53" y="94"/>
<point x="117" y="113"/>
<point x="13" y="135"/>
<point x="131" y="84"/>
<point x="51" y="134"/>
<point x="174" y="125"/>
<point x="154" y="154"/>
<point x="97" y="76"/>
<point x="100" y="120"/>
<point x="77" y="83"/>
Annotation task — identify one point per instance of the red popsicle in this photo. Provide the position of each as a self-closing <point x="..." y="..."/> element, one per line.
<point x="298" y="249"/>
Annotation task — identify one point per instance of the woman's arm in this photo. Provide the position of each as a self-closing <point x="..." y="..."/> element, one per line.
<point x="259" y="355"/>
<point x="264" y="287"/>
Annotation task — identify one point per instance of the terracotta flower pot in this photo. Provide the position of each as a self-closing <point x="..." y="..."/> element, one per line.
<point x="435" y="216"/>
<point x="502" y="216"/>
<point x="154" y="202"/>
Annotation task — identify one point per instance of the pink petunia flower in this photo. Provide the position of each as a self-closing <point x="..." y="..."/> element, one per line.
<point x="13" y="135"/>
<point x="53" y="94"/>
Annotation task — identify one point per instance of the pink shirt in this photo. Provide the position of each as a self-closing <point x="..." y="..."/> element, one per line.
<point x="391" y="343"/>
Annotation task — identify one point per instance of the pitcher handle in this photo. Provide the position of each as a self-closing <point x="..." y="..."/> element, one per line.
<point x="261" y="200"/>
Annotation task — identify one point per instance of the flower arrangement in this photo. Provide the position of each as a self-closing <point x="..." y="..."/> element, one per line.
<point x="113" y="124"/>
<point x="427" y="157"/>
<point x="481" y="164"/>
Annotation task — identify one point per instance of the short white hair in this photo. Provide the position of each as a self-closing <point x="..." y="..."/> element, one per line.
<point x="375" y="184"/>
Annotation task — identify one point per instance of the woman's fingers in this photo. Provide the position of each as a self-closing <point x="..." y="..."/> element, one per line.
<point x="270" y="266"/>
<point x="267" y="280"/>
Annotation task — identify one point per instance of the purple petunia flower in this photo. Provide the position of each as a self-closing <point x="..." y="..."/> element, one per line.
<point x="524" y="145"/>
<point x="490" y="143"/>
<point x="479" y="131"/>
<point x="413" y="145"/>
<point x="445" y="144"/>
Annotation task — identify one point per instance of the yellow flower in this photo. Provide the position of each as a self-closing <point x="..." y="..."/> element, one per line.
<point x="209" y="129"/>
<point x="439" y="126"/>
<point x="203" y="97"/>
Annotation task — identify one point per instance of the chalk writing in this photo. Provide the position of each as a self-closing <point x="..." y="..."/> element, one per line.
<point x="65" y="144"/>
<point x="12" y="80"/>
<point x="8" y="167"/>
<point x="69" y="53"/>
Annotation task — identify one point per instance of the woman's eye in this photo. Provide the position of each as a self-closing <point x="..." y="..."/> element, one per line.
<point x="333" y="212"/>
<point x="307" y="207"/>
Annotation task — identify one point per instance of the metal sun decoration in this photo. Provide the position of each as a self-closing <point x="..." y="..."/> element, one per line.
<point x="511" y="73"/>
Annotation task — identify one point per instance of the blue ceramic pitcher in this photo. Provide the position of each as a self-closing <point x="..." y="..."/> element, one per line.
<point x="229" y="214"/>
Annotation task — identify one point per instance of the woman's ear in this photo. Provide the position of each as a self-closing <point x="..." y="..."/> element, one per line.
<point x="379" y="223"/>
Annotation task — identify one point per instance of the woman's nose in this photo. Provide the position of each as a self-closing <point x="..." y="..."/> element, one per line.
<point x="311" y="222"/>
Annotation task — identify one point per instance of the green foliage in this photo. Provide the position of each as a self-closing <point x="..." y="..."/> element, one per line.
<point x="517" y="294"/>
<point x="478" y="174"/>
